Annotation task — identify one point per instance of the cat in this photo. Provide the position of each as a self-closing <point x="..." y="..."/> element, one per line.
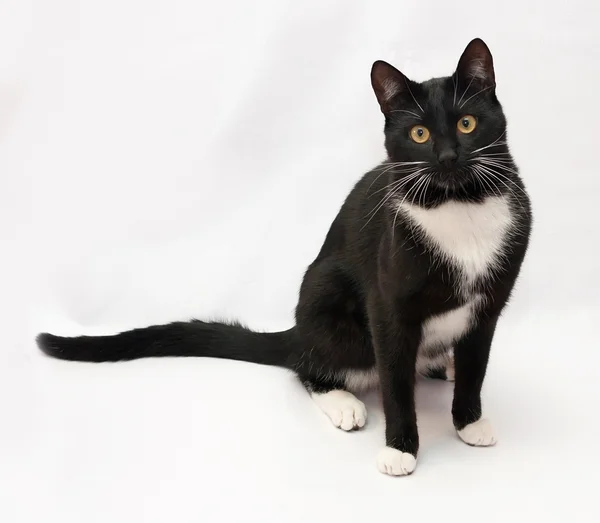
<point x="411" y="279"/>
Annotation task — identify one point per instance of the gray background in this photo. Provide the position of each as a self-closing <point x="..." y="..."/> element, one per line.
<point x="174" y="158"/>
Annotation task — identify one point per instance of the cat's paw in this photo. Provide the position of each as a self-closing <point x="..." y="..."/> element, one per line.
<point x="395" y="463"/>
<point x="344" y="409"/>
<point x="478" y="434"/>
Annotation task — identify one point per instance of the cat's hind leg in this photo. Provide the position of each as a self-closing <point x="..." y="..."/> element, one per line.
<point x="332" y="328"/>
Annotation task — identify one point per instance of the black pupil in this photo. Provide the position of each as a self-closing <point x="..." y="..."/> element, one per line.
<point x="465" y="123"/>
<point x="420" y="132"/>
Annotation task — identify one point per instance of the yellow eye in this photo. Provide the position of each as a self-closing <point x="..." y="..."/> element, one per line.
<point x="467" y="124"/>
<point x="419" y="134"/>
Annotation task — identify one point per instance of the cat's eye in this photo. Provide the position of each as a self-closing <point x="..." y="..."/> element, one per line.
<point x="419" y="134"/>
<point x="466" y="124"/>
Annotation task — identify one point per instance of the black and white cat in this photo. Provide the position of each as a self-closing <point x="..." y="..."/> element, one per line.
<point x="413" y="275"/>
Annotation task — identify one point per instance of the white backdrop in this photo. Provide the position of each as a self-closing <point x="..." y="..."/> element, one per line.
<point x="163" y="159"/>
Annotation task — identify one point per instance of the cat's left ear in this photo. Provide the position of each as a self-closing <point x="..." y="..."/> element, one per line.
<point x="476" y="66"/>
<point x="389" y="85"/>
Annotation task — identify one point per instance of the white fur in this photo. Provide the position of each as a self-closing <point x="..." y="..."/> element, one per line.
<point x="362" y="379"/>
<point x="450" y="372"/>
<point x="344" y="409"/>
<point x="446" y="328"/>
<point x="426" y="363"/>
<point x="477" y="69"/>
<point x="390" y="88"/>
<point x="478" y="434"/>
<point x="395" y="463"/>
<point x="468" y="235"/>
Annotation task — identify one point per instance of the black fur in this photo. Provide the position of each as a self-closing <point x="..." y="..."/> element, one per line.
<point x="365" y="297"/>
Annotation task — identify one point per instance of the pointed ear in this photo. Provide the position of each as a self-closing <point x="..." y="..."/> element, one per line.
<point x="476" y="66"/>
<point x="387" y="83"/>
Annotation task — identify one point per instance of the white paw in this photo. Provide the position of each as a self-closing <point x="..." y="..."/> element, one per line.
<point x="478" y="434"/>
<point x="344" y="409"/>
<point x="395" y="463"/>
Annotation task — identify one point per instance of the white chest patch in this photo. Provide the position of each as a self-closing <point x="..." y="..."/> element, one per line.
<point x="469" y="235"/>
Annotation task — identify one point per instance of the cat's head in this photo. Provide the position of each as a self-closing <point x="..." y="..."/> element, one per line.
<point x="450" y="131"/>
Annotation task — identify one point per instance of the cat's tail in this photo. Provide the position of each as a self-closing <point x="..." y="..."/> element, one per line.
<point x="195" y="338"/>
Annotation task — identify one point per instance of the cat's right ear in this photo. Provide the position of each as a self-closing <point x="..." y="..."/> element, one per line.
<point x="387" y="83"/>
<point x="476" y="66"/>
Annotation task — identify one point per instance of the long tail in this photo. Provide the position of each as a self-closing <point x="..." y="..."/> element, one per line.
<point x="195" y="338"/>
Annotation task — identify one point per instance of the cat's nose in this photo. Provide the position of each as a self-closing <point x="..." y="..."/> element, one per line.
<point x="448" y="157"/>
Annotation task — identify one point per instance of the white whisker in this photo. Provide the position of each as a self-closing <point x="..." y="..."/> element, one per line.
<point x="497" y="174"/>
<point x="399" y="164"/>
<point x="404" y="111"/>
<point x="418" y="191"/>
<point x="413" y="96"/>
<point x="495" y="142"/>
<point x="424" y="191"/>
<point x="495" y="154"/>
<point x="416" y="185"/>
<point x="495" y="163"/>
<point x="478" y="92"/>
<point x="401" y="182"/>
<point x="455" y="87"/>
<point x="473" y="171"/>
<point x="463" y="95"/>
<point x="490" y="173"/>
<point x="407" y="193"/>
<point x="485" y="179"/>
<point x="499" y="162"/>
<point x="385" y="199"/>
<point x="390" y="168"/>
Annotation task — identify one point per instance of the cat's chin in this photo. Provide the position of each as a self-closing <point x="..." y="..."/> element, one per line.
<point x="450" y="181"/>
<point x="447" y="189"/>
<point x="457" y="184"/>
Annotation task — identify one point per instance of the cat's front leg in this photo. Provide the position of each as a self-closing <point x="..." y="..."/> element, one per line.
<point x="396" y="348"/>
<point x="470" y="361"/>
